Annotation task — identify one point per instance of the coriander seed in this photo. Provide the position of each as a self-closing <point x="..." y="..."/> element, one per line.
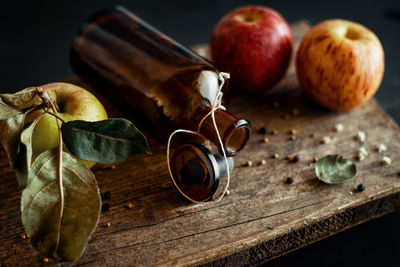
<point x="262" y="162"/>
<point x="265" y="140"/>
<point x="108" y="224"/>
<point x="275" y="156"/>
<point x="249" y="164"/>
<point x="45" y="260"/>
<point x="274" y="132"/>
<point x="23" y="236"/>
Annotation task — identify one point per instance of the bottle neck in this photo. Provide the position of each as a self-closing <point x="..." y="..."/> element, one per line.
<point x="234" y="132"/>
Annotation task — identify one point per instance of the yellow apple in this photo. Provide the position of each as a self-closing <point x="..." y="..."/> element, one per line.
<point x="73" y="103"/>
<point x="340" y="64"/>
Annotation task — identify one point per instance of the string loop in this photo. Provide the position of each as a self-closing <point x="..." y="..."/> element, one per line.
<point x="222" y="76"/>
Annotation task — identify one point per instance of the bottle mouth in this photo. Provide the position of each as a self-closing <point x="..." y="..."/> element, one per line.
<point x="237" y="137"/>
<point x="195" y="172"/>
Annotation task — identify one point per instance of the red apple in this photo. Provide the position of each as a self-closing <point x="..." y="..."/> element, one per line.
<point x="340" y="64"/>
<point x="254" y="44"/>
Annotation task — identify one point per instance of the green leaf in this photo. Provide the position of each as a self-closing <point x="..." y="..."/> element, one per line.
<point x="107" y="141"/>
<point x="334" y="169"/>
<point x="56" y="231"/>
<point x="23" y="99"/>
<point x="6" y="111"/>
<point x="10" y="134"/>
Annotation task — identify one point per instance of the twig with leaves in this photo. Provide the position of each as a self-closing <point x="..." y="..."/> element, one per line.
<point x="54" y="183"/>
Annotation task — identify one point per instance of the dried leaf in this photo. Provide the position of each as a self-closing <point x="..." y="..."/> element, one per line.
<point x="10" y="136"/>
<point x="107" y="141"/>
<point x="23" y="99"/>
<point x="6" y="111"/>
<point x="60" y="235"/>
<point x="26" y="139"/>
<point x="334" y="169"/>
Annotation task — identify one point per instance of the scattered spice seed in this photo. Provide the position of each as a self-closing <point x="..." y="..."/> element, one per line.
<point x="292" y="137"/>
<point x="315" y="159"/>
<point x="23" y="236"/>
<point x="275" y="156"/>
<point x="289" y="180"/>
<point x="180" y="222"/>
<point x="360" y="156"/>
<point x="292" y="131"/>
<point x="326" y="140"/>
<point x="360" y="187"/>
<point x="105" y="207"/>
<point x="338" y="127"/>
<point x="265" y="140"/>
<point x="108" y="224"/>
<point x="288" y="157"/>
<point x="227" y="193"/>
<point x="113" y="167"/>
<point x="296" y="158"/>
<point x="386" y="160"/>
<point x="350" y="193"/>
<point x="276" y="104"/>
<point x="27" y="236"/>
<point x="295" y="112"/>
<point x="270" y="227"/>
<point x="107" y="195"/>
<point x="45" y="260"/>
<point x="263" y="130"/>
<point x="361" y="136"/>
<point x="274" y="132"/>
<point x="129" y="205"/>
<point x="249" y="164"/>
<point x="262" y="162"/>
<point x="381" y="148"/>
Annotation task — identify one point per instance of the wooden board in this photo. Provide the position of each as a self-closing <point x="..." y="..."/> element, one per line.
<point x="261" y="219"/>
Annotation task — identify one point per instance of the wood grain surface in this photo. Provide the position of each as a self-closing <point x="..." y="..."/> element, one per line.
<point x="262" y="218"/>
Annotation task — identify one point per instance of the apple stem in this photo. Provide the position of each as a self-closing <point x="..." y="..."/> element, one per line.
<point x="48" y="103"/>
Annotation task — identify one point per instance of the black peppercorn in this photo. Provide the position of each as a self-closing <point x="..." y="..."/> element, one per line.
<point x="105" y="207"/>
<point x="289" y="180"/>
<point x="107" y="195"/>
<point x="263" y="130"/>
<point x="360" y="187"/>
<point x="296" y="158"/>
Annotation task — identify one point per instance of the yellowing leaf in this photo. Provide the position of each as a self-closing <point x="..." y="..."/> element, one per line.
<point x="60" y="231"/>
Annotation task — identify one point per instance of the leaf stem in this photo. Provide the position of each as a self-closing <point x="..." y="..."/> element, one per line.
<point x="48" y="102"/>
<point x="53" y="114"/>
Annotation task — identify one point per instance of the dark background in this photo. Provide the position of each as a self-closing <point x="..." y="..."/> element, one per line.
<point x="35" y="38"/>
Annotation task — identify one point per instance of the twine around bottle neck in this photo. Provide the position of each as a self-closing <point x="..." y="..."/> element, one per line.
<point x="222" y="76"/>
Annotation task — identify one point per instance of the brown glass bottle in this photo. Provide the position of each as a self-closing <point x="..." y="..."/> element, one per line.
<point x="138" y="67"/>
